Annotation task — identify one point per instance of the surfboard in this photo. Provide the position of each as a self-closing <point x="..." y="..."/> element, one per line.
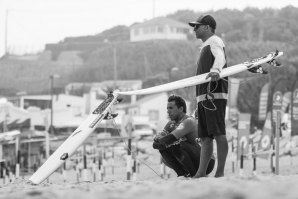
<point x="70" y="145"/>
<point x="252" y="66"/>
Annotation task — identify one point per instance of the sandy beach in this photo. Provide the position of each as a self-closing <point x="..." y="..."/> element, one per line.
<point x="231" y="187"/>
<point x="148" y="184"/>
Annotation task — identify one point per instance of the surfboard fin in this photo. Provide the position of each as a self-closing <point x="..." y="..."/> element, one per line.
<point x="258" y="69"/>
<point x="118" y="100"/>
<point x="64" y="156"/>
<point x="110" y="116"/>
<point x="274" y="63"/>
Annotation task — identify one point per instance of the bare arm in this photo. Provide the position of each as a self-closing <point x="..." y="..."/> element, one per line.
<point x="186" y="127"/>
<point x="219" y="61"/>
<point x="219" y="56"/>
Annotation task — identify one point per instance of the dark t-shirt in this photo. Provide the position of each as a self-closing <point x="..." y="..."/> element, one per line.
<point x="184" y="130"/>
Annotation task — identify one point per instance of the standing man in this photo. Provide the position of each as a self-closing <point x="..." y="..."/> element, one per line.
<point x="212" y="96"/>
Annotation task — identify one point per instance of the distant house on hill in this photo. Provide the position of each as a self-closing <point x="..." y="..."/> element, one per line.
<point x="158" y="28"/>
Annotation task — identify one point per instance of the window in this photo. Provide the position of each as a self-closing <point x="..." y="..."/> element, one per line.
<point x="41" y="103"/>
<point x="136" y="32"/>
<point x="160" y="29"/>
<point x="152" y="29"/>
<point x="146" y="30"/>
<point x="179" y="30"/>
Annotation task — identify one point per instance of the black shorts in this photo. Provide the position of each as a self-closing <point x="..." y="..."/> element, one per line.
<point x="184" y="158"/>
<point x="211" y="122"/>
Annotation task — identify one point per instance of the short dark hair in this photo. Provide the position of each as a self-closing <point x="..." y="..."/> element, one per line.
<point x="179" y="101"/>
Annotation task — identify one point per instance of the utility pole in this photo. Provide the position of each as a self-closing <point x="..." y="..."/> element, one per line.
<point x="6" y="32"/>
<point x="52" y="77"/>
<point x="115" y="66"/>
<point x="52" y="89"/>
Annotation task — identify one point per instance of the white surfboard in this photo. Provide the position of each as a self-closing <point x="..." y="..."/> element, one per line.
<point x="74" y="140"/>
<point x="200" y="79"/>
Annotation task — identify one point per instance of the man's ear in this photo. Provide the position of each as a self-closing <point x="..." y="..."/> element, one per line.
<point x="181" y="108"/>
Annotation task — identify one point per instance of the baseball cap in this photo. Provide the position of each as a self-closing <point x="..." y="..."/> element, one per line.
<point x="205" y="20"/>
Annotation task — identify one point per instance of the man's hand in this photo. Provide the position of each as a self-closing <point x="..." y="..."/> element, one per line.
<point x="214" y="76"/>
<point x="158" y="146"/>
<point x="196" y="113"/>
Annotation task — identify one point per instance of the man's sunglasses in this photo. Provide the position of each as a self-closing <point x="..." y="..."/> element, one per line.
<point x="197" y="26"/>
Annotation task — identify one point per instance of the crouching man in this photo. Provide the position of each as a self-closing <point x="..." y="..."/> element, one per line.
<point x="177" y="143"/>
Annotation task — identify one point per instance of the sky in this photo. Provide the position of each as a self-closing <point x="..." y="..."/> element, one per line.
<point x="27" y="25"/>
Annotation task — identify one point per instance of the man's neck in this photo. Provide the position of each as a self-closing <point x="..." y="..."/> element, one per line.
<point x="207" y="36"/>
<point x="180" y="118"/>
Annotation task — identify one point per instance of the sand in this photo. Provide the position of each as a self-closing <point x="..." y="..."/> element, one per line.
<point x="264" y="185"/>
<point x="148" y="183"/>
<point x="231" y="187"/>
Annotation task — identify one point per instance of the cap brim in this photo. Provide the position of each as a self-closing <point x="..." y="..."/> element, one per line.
<point x="194" y="23"/>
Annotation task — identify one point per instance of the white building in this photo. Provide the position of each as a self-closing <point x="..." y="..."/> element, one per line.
<point x="159" y="28"/>
<point x="67" y="110"/>
<point x="153" y="107"/>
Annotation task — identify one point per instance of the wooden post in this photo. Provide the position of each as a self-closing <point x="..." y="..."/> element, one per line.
<point x="104" y="162"/>
<point x="100" y="168"/>
<point x="29" y="155"/>
<point x="17" y="172"/>
<point x="129" y="158"/>
<point x="272" y="159"/>
<point x="113" y="160"/>
<point x="241" y="159"/>
<point x="94" y="169"/>
<point x="134" y="169"/>
<point x="162" y="168"/>
<point x="64" y="172"/>
<point x="277" y="135"/>
<point x="84" y="171"/>
<point x="77" y="170"/>
<point x="233" y="156"/>
<point x="254" y="156"/>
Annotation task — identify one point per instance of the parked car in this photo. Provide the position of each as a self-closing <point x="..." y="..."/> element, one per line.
<point x="142" y="130"/>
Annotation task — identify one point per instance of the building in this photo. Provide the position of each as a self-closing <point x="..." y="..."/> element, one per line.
<point x="152" y="108"/>
<point x="159" y="28"/>
<point x="12" y="118"/>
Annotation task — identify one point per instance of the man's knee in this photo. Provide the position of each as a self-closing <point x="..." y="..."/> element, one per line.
<point x="206" y="140"/>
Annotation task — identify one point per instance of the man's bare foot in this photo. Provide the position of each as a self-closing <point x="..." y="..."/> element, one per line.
<point x="199" y="176"/>
<point x="219" y="175"/>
